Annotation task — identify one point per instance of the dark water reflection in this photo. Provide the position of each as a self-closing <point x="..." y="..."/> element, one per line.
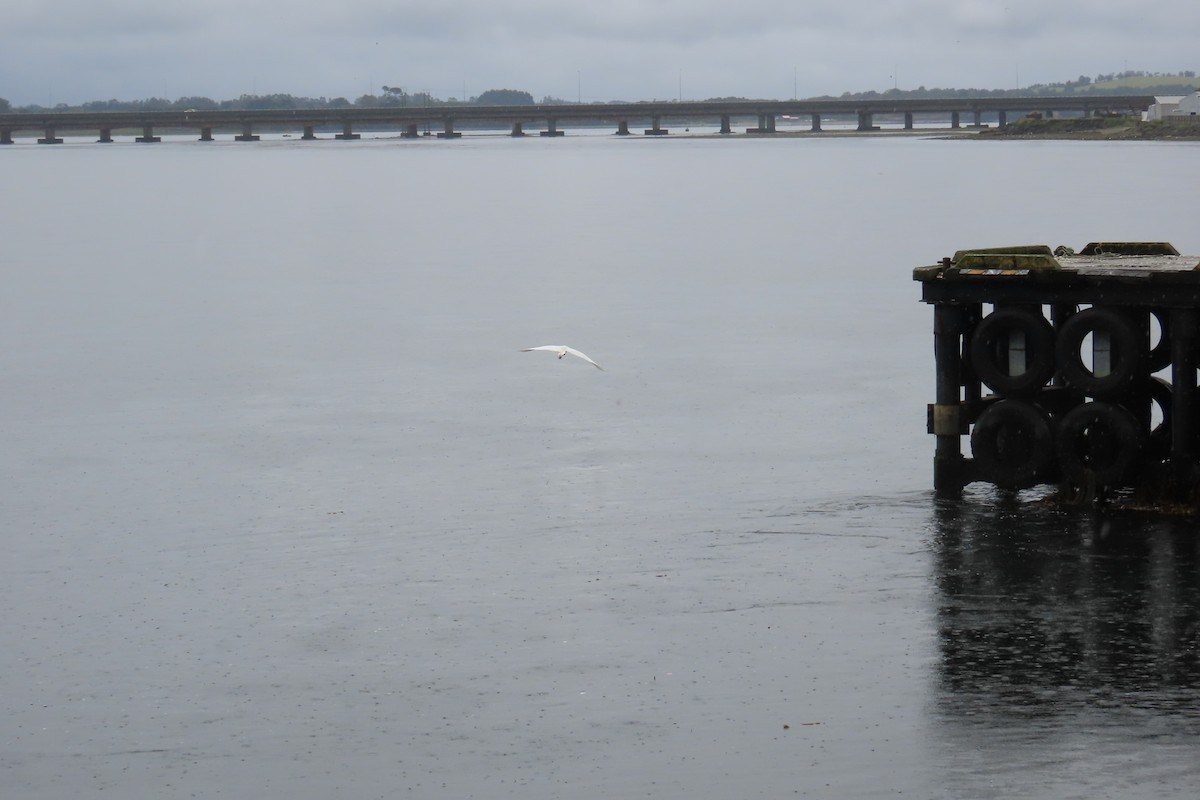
<point x="1069" y="649"/>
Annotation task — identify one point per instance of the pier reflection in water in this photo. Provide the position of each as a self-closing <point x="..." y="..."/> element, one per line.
<point x="1068" y="650"/>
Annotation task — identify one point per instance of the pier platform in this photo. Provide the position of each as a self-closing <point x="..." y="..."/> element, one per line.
<point x="1074" y="369"/>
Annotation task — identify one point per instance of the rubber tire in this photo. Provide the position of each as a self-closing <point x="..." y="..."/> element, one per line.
<point x="1122" y="451"/>
<point x="1160" y="394"/>
<point x="1039" y="344"/>
<point x="1013" y="444"/>
<point x="1129" y="348"/>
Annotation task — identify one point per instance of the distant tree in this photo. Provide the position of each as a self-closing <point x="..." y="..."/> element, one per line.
<point x="5" y="106"/>
<point x="505" y="97"/>
<point x="198" y="103"/>
<point x="151" y="104"/>
<point x="259" y="102"/>
<point x="395" y="96"/>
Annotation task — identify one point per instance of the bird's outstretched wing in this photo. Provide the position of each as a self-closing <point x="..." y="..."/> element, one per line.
<point x="562" y="349"/>
<point x="578" y="354"/>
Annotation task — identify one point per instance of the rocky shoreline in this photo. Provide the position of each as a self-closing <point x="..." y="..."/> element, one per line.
<point x="1098" y="129"/>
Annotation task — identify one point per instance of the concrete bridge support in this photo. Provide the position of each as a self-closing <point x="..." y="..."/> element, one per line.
<point x="148" y="136"/>
<point x="816" y="123"/>
<point x="347" y="135"/>
<point x="206" y="135"/>
<point x="623" y="128"/>
<point x="726" y="124"/>
<point x="310" y="133"/>
<point x="1002" y="118"/>
<point x="866" y="121"/>
<point x="50" y="138"/>
<point x="656" y="128"/>
<point x="766" y="124"/>
<point x="978" y="120"/>
<point x="908" y="120"/>
<point x="517" y="130"/>
<point x="552" y="129"/>
<point x="954" y="120"/>
<point x="6" y="137"/>
<point x="105" y="136"/>
<point x="410" y="131"/>
<point x="247" y="134"/>
<point x="448" y="131"/>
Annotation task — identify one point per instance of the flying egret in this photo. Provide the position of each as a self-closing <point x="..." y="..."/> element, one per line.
<point x="563" y="350"/>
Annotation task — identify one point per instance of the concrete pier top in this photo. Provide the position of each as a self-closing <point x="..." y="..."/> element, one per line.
<point x="1135" y="273"/>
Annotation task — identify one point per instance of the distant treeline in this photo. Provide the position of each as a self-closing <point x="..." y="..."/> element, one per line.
<point x="391" y="96"/>
<point x="1128" y="82"/>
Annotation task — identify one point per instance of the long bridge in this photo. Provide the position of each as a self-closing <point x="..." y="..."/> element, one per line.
<point x="550" y="117"/>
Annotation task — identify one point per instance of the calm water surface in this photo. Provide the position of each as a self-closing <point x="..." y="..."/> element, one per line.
<point x="287" y="514"/>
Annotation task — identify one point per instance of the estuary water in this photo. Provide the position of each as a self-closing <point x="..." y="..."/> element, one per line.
<point x="286" y="513"/>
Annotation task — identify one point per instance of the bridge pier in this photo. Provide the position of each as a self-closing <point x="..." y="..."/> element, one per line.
<point x="148" y="136"/>
<point x="246" y="135"/>
<point x="518" y="130"/>
<point x="978" y="119"/>
<point x="6" y="137"/>
<point x="866" y="121"/>
<point x="310" y="133"/>
<point x="410" y="131"/>
<point x="105" y="136"/>
<point x="448" y="131"/>
<point x="816" y="123"/>
<point x="623" y="128"/>
<point x="908" y="120"/>
<point x="1003" y="119"/>
<point x="206" y="135"/>
<point x="347" y="135"/>
<point x="552" y="129"/>
<point x="656" y="128"/>
<point x="766" y="124"/>
<point x="954" y="120"/>
<point x="50" y="138"/>
<point x="726" y="124"/>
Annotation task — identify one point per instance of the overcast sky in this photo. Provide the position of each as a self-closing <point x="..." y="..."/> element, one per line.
<point x="70" y="51"/>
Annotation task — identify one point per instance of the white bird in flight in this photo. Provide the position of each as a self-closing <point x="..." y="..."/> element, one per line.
<point x="563" y="350"/>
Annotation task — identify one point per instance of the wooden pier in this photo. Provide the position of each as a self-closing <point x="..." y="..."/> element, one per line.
<point x="1075" y="370"/>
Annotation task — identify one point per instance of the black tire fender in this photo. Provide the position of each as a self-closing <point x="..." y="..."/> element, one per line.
<point x="1101" y="439"/>
<point x="1160" y="395"/>
<point x="1013" y="444"/>
<point x="993" y="333"/>
<point x="1129" y="349"/>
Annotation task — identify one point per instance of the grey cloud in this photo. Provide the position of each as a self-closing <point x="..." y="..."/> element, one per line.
<point x="628" y="49"/>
